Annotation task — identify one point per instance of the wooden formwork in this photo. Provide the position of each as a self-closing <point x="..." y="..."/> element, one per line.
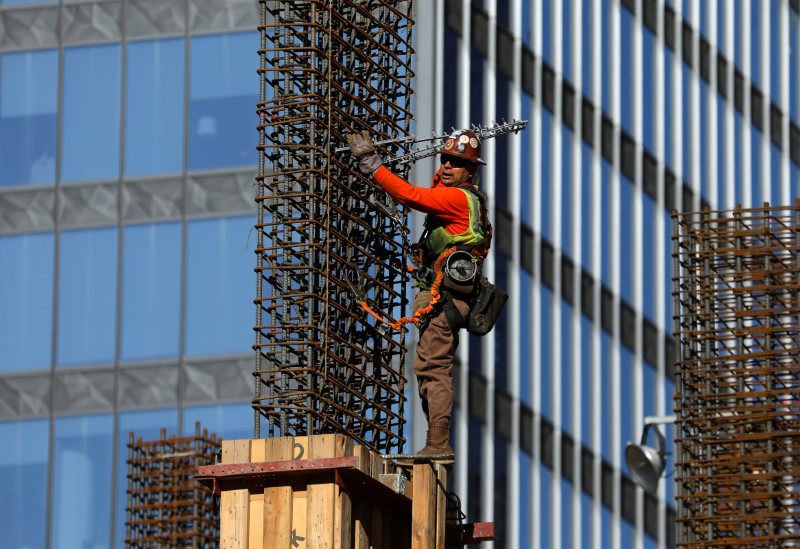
<point x="324" y="491"/>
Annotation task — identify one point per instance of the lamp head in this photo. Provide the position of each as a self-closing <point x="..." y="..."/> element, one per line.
<point x="645" y="463"/>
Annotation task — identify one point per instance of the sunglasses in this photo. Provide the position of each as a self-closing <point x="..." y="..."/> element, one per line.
<point x="455" y="161"/>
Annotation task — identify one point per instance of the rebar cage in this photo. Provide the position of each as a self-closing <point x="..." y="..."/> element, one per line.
<point x="166" y="507"/>
<point x="327" y="235"/>
<point x="736" y="290"/>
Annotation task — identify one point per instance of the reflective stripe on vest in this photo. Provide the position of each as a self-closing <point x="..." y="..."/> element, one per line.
<point x="440" y="240"/>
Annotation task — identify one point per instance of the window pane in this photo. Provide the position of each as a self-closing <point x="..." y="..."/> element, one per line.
<point x="147" y="426"/>
<point x="82" y="482"/>
<point x="220" y="287"/>
<point x="28" y="102"/>
<point x="23" y="483"/>
<point x="87" y="296"/>
<point x="229" y="422"/>
<point x="151" y="291"/>
<point x="26" y="294"/>
<point x="154" y="121"/>
<point x="16" y="2"/>
<point x="223" y="92"/>
<point x="90" y="147"/>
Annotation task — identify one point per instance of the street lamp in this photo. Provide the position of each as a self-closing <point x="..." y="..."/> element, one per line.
<point x="646" y="463"/>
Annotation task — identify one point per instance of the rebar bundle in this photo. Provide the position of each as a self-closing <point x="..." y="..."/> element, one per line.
<point x="737" y="310"/>
<point x="166" y="506"/>
<point x="328" y="236"/>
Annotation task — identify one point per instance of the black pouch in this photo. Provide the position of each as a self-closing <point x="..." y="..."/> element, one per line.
<point x="488" y="303"/>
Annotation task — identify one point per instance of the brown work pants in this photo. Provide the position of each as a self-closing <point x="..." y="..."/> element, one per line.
<point x="433" y="362"/>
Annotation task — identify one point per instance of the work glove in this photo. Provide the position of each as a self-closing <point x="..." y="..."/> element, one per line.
<point x="362" y="148"/>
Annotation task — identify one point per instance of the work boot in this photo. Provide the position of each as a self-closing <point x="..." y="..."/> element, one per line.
<point x="438" y="442"/>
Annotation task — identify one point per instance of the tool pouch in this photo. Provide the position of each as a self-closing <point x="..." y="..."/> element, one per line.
<point x="488" y="303"/>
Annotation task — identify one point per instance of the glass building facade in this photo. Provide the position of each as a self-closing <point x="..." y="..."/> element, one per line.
<point x="127" y="160"/>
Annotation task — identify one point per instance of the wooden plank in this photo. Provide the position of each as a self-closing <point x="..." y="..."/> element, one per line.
<point x="300" y="499"/>
<point x="441" y="503"/>
<point x="362" y="513"/>
<point x="256" y="533"/>
<point x="279" y="500"/>
<point x="423" y="507"/>
<point x="234" y="512"/>
<point x="321" y="497"/>
<point x="343" y="505"/>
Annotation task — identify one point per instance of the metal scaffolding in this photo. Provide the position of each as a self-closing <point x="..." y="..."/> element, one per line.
<point x="166" y="506"/>
<point x="326" y="234"/>
<point x="736" y="290"/>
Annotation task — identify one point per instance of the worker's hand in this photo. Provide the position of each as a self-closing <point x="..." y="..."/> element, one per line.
<point x="362" y="148"/>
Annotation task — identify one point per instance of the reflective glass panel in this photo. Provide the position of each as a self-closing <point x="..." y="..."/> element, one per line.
<point x="82" y="482"/>
<point x="223" y="95"/>
<point x="19" y="2"/>
<point x="151" y="291"/>
<point x="87" y="296"/>
<point x="228" y="421"/>
<point x="26" y="295"/>
<point x="28" y="103"/>
<point x="90" y="144"/>
<point x="220" y="287"/>
<point x="147" y="426"/>
<point x="23" y="483"/>
<point x="154" y="121"/>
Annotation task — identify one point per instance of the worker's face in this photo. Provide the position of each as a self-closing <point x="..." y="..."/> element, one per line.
<point x="456" y="170"/>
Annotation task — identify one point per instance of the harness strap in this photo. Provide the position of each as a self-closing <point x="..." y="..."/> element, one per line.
<point x="419" y="313"/>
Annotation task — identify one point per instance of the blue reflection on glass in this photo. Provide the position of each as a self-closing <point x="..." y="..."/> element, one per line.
<point x="154" y="121"/>
<point x="525" y="329"/>
<point x="626" y="70"/>
<point x="525" y="467"/>
<point x="626" y="229"/>
<point x="525" y="162"/>
<point x="607" y="382"/>
<point x="87" y="296"/>
<point x="19" y="2"/>
<point x="228" y="421"/>
<point x="90" y="145"/>
<point x="588" y="378"/>
<point x="547" y="174"/>
<point x="546" y="506"/>
<point x="606" y="221"/>
<point x="626" y="389"/>
<point x="649" y="247"/>
<point x="146" y="426"/>
<point x="82" y="482"/>
<point x="754" y="25"/>
<point x="546" y="352"/>
<point x="648" y="85"/>
<point x="567" y="341"/>
<point x="28" y="102"/>
<point x="223" y="94"/>
<point x="23" y="482"/>
<point x="566" y="514"/>
<point x="566" y="191"/>
<point x="26" y="294"/>
<point x="794" y="76"/>
<point x="219" y="308"/>
<point x="151" y="291"/>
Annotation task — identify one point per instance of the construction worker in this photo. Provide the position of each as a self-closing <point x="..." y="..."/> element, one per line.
<point x="456" y="217"/>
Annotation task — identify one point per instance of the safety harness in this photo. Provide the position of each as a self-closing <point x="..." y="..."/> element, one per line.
<point x="433" y="276"/>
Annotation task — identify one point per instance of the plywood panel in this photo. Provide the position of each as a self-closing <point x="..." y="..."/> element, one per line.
<point x="321" y="496"/>
<point x="278" y="500"/>
<point x="256" y="536"/>
<point x="234" y="504"/>
<point x="441" y="502"/>
<point x="300" y="499"/>
<point x="423" y="513"/>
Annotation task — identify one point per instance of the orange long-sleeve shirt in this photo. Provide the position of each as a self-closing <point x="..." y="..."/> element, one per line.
<point x="449" y="204"/>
